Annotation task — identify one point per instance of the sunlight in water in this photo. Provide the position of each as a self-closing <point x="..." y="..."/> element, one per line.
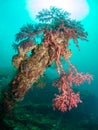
<point x="79" y="9"/>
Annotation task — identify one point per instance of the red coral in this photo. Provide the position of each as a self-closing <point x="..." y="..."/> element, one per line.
<point x="68" y="99"/>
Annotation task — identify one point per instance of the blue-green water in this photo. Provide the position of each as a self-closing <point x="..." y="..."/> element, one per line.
<point x="35" y="112"/>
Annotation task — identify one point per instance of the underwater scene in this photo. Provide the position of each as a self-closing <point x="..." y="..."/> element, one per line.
<point x="48" y="65"/>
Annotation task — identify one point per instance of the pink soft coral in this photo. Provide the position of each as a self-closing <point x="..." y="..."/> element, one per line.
<point x="67" y="98"/>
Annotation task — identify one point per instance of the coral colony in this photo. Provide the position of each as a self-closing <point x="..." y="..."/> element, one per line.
<point x="55" y="30"/>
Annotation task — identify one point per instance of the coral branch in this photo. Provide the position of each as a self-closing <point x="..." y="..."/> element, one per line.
<point x="68" y="99"/>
